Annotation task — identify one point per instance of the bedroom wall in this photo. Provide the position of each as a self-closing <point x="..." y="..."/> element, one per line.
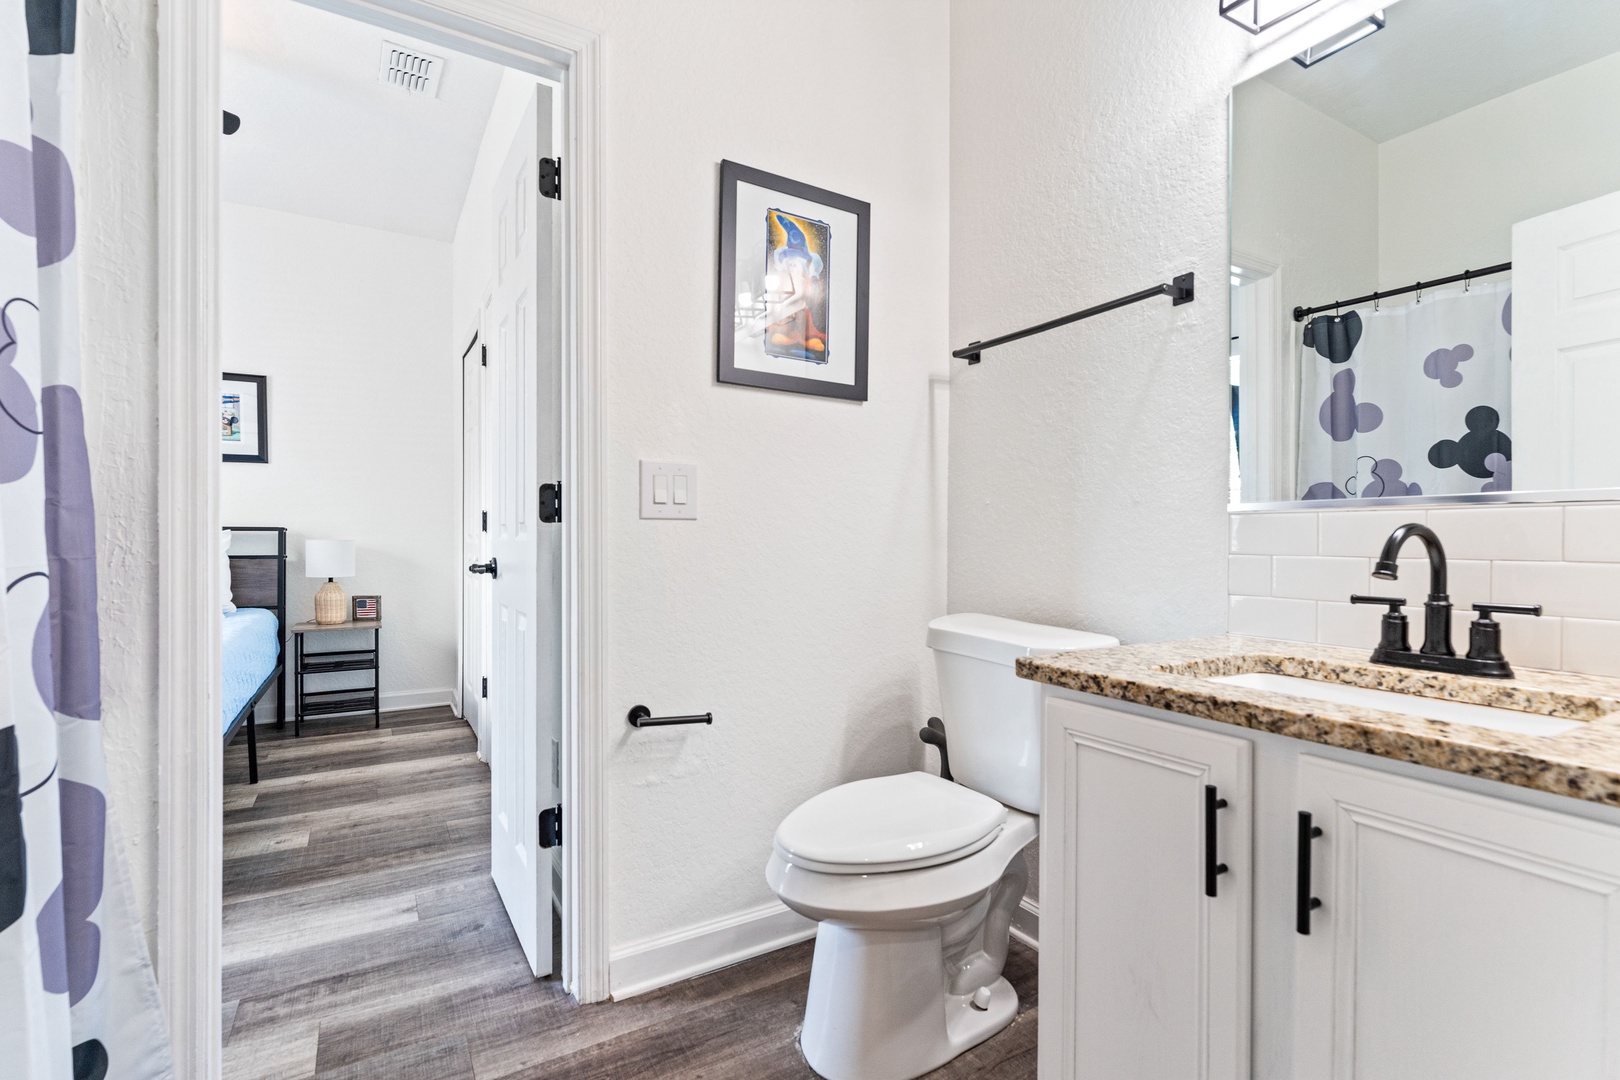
<point x="352" y="326"/>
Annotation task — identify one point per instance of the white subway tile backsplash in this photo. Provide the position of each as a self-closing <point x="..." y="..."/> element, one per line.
<point x="1591" y="647"/>
<point x="1291" y="575"/>
<point x="1592" y="533"/>
<point x="1273" y="534"/>
<point x="1360" y="532"/>
<point x="1318" y="577"/>
<point x="1273" y="617"/>
<point x="1579" y="590"/>
<point x="1353" y="625"/>
<point x="1527" y="533"/>
<point x="1249" y="575"/>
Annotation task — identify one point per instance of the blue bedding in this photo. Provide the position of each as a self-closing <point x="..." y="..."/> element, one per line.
<point x="250" y="643"/>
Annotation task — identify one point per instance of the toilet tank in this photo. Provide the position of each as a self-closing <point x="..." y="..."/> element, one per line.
<point x="992" y="717"/>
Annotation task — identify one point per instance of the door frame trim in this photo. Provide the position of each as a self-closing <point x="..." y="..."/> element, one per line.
<point x="189" y="841"/>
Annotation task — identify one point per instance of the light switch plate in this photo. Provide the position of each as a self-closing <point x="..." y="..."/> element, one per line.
<point x="652" y="472"/>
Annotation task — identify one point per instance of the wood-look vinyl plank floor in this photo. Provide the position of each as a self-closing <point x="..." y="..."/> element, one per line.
<point x="364" y="939"/>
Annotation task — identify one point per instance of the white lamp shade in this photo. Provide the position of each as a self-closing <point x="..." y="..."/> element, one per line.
<point x="329" y="558"/>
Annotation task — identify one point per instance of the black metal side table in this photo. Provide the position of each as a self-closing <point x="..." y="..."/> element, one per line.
<point x="349" y="699"/>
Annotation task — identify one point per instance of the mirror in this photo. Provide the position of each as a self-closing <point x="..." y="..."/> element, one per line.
<point x="1472" y="146"/>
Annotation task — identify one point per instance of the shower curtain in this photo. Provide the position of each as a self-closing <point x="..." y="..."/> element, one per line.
<point x="77" y="996"/>
<point x="1409" y="400"/>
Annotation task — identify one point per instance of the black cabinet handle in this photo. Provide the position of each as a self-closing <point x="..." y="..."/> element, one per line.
<point x="1212" y="869"/>
<point x="484" y="568"/>
<point x="1304" y="902"/>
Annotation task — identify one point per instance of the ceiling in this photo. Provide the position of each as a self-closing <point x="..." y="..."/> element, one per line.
<point x="1439" y="57"/>
<point x="323" y="137"/>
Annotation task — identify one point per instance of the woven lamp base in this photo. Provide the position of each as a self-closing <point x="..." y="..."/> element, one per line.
<point x="331" y="604"/>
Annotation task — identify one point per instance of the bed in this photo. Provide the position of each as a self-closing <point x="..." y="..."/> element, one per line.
<point x="254" y="564"/>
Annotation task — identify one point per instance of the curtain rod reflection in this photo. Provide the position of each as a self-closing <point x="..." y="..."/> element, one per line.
<point x="1303" y="313"/>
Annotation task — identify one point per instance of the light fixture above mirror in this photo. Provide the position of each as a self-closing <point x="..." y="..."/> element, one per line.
<point x="1258" y="16"/>
<point x="1341" y="41"/>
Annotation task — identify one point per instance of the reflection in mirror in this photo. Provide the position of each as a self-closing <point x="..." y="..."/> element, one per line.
<point x="1426" y="258"/>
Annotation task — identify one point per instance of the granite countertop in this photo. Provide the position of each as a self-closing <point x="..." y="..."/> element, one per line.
<point x="1583" y="763"/>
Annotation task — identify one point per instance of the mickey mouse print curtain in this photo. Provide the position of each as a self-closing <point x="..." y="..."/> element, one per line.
<point x="77" y="996"/>
<point x="1409" y="400"/>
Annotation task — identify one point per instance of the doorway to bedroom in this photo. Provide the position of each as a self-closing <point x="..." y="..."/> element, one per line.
<point x="390" y="331"/>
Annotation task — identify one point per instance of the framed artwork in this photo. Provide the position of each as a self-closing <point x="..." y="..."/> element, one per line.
<point x="793" y="285"/>
<point x="244" y="418"/>
<point x="365" y="609"/>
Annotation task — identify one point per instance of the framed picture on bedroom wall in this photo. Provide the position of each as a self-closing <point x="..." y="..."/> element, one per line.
<point x="244" y="418"/>
<point x="793" y="285"/>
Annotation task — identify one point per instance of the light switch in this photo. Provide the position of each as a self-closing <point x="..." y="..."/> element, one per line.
<point x="668" y="490"/>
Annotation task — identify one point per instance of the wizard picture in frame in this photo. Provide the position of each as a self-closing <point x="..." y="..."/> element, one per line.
<point x="793" y="285"/>
<point x="244" y="418"/>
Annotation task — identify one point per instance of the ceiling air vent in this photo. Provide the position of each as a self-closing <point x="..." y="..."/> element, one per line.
<point x="411" y="70"/>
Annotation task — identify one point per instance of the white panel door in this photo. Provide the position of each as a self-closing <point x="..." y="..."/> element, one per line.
<point x="1566" y="348"/>
<point x="524" y="684"/>
<point x="1143" y="975"/>
<point x="474" y="501"/>
<point x="1458" y="935"/>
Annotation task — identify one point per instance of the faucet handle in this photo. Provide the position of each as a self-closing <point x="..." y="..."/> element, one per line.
<point x="1393" y="634"/>
<point x="1485" y="633"/>
<point x="1487" y="610"/>
<point x="1395" y="603"/>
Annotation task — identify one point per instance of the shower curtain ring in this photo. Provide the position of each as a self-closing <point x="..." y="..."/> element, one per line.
<point x="1375" y="301"/>
<point x="1468" y="280"/>
<point x="1420" y="292"/>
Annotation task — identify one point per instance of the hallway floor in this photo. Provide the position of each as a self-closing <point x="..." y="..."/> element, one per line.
<point x="363" y="938"/>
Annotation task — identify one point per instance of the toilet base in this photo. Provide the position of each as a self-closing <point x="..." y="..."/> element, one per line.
<point x="879" y="1009"/>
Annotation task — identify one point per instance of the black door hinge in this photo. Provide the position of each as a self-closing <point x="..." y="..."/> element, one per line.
<point x="484" y="521"/>
<point x="551" y="827"/>
<point x="551" y="503"/>
<point x="483" y="356"/>
<point x="551" y="177"/>
<point x="483" y="687"/>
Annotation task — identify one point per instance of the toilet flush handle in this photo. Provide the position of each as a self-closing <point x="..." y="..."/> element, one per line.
<point x="934" y="735"/>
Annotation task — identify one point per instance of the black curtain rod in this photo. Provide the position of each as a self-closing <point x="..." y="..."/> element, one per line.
<point x="1303" y="313"/>
<point x="1180" y="291"/>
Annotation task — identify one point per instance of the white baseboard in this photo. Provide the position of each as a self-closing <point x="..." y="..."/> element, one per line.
<point x="696" y="950"/>
<point x="1026" y="923"/>
<point x="400" y="700"/>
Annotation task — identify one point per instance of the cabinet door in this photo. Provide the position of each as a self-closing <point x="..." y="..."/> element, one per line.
<point x="1144" y="976"/>
<point x="1459" y="935"/>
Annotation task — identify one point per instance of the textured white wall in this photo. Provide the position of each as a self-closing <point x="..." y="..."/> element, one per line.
<point x="795" y="606"/>
<point x="1451" y="191"/>
<point x="352" y="326"/>
<point x="1088" y="465"/>
<point x="117" y="193"/>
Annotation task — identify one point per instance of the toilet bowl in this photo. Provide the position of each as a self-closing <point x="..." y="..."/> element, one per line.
<point x="914" y="879"/>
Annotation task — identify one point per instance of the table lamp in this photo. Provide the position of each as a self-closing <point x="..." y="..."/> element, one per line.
<point x="329" y="559"/>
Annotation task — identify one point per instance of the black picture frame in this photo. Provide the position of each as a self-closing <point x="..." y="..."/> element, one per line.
<point x="726" y="370"/>
<point x="261" y="384"/>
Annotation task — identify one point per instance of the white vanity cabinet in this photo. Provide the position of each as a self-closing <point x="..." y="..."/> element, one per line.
<point x="1458" y="934"/>
<point x="1143" y="973"/>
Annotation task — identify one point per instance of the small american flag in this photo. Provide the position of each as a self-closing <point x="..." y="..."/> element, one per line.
<point x="365" y="607"/>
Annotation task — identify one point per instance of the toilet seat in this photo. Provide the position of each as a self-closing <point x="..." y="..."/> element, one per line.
<point x="889" y="824"/>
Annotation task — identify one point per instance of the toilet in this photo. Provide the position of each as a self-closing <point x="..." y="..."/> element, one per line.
<point x="914" y="879"/>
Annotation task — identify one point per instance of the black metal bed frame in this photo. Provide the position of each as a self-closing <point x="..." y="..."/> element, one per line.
<point x="277" y="674"/>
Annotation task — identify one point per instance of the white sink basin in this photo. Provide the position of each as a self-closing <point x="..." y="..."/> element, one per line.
<point x="1454" y="712"/>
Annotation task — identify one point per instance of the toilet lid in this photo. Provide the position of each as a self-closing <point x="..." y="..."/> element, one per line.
<point x="889" y="823"/>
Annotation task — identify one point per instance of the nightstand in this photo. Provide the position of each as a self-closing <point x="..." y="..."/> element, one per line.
<point x="311" y="703"/>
